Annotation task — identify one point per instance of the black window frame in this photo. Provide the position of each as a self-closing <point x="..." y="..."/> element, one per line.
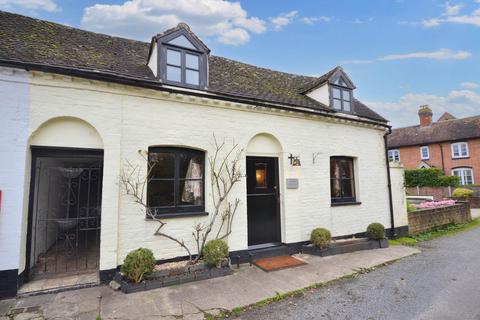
<point x="342" y="100"/>
<point x="342" y="199"/>
<point x="183" y="66"/>
<point x="176" y="209"/>
<point x="201" y="52"/>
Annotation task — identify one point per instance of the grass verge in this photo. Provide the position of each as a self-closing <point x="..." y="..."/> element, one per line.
<point x="440" y="232"/>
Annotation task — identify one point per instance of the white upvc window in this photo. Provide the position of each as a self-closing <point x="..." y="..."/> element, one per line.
<point x="424" y="153"/>
<point x="465" y="175"/>
<point x="459" y="150"/>
<point x="394" y="155"/>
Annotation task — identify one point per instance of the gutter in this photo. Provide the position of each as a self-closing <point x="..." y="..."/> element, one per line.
<point x="149" y="84"/>
<point x="389" y="184"/>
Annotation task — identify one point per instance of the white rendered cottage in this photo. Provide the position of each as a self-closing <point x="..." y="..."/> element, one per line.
<point x="76" y="106"/>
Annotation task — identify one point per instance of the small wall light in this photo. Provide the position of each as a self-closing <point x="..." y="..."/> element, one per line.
<point x="294" y="160"/>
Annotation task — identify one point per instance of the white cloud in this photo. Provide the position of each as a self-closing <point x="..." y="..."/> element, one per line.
<point x="452" y="10"/>
<point x="360" y="21"/>
<point x="461" y="103"/>
<point x="313" y="20"/>
<point x="441" y="54"/>
<point x="451" y="15"/>
<point x="284" y="19"/>
<point x="225" y="21"/>
<point x="47" y="5"/>
<point x="470" y="85"/>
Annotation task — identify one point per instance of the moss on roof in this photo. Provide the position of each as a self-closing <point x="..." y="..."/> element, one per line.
<point x="28" y="40"/>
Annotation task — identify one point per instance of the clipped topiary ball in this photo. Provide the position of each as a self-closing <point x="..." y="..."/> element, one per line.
<point x="320" y="237"/>
<point x="376" y="231"/>
<point x="214" y="252"/>
<point x="137" y="264"/>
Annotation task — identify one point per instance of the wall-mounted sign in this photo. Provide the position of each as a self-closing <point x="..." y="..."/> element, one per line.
<point x="292" y="183"/>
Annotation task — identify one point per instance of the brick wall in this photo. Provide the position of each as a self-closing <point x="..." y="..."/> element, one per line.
<point x="410" y="157"/>
<point x="438" y="193"/>
<point x="428" y="219"/>
<point x="474" y="201"/>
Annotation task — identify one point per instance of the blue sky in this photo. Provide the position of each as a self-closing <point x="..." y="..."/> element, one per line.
<point x="399" y="53"/>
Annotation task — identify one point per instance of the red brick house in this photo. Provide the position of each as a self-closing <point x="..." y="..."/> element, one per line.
<point x="450" y="144"/>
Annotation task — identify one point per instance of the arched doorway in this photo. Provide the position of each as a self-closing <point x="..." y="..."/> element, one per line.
<point x="263" y="192"/>
<point x="65" y="199"/>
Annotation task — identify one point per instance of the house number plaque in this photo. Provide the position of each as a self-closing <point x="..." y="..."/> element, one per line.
<point x="292" y="183"/>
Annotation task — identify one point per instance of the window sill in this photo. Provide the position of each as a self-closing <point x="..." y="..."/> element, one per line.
<point x="460" y="158"/>
<point x="340" y="204"/>
<point x="178" y="215"/>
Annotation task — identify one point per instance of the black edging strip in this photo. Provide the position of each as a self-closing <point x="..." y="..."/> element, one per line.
<point x="122" y="79"/>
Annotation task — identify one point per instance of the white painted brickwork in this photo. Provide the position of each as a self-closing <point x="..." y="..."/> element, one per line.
<point x="14" y="90"/>
<point x="129" y="119"/>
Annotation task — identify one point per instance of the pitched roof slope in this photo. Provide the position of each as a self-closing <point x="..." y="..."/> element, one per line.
<point x="451" y="130"/>
<point x="27" y="40"/>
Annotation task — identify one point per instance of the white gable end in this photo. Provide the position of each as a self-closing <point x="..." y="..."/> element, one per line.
<point x="320" y="94"/>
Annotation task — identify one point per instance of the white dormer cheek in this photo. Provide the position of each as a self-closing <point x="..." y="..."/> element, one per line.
<point x="153" y="61"/>
<point x="321" y="94"/>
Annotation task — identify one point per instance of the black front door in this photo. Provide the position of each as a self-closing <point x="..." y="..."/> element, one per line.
<point x="263" y="200"/>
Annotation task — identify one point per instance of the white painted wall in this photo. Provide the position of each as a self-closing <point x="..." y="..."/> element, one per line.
<point x="129" y="119"/>
<point x="397" y="174"/>
<point x="321" y="94"/>
<point x="66" y="132"/>
<point x="14" y="104"/>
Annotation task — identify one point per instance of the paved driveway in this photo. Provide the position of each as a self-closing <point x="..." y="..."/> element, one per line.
<point x="443" y="282"/>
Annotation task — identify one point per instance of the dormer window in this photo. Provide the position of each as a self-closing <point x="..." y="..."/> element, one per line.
<point x="182" y="58"/>
<point x="183" y="67"/>
<point x="341" y="92"/>
<point x="342" y="99"/>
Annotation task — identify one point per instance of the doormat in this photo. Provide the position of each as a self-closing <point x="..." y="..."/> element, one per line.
<point x="278" y="263"/>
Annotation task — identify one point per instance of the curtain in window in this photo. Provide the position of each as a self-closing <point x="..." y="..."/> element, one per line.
<point x="192" y="191"/>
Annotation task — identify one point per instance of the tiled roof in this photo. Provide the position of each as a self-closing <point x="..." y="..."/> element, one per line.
<point x="450" y="130"/>
<point x="31" y="41"/>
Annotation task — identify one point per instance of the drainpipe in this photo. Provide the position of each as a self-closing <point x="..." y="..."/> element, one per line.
<point x="443" y="159"/>
<point x="389" y="180"/>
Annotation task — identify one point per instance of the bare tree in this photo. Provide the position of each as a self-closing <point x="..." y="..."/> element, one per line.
<point x="225" y="172"/>
<point x="135" y="184"/>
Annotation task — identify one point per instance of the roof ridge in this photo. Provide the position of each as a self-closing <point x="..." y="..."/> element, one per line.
<point x="441" y="122"/>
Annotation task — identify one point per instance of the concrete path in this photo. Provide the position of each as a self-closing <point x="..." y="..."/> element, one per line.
<point x="440" y="283"/>
<point x="189" y="301"/>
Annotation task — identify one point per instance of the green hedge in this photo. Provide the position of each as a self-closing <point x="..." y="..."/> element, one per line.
<point x="429" y="178"/>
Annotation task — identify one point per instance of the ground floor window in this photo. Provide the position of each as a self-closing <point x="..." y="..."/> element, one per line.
<point x="342" y="180"/>
<point x="176" y="180"/>
<point x="464" y="174"/>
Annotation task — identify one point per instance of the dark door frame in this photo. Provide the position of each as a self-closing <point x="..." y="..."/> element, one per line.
<point x="277" y="190"/>
<point x="52" y="152"/>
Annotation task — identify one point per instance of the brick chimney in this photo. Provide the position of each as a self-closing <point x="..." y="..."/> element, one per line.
<point x="425" y="114"/>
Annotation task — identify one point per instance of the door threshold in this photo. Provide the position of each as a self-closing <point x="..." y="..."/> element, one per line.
<point x="265" y="245"/>
<point x="61" y="283"/>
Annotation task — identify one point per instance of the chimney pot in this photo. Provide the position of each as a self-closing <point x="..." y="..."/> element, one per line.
<point x="425" y="114"/>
